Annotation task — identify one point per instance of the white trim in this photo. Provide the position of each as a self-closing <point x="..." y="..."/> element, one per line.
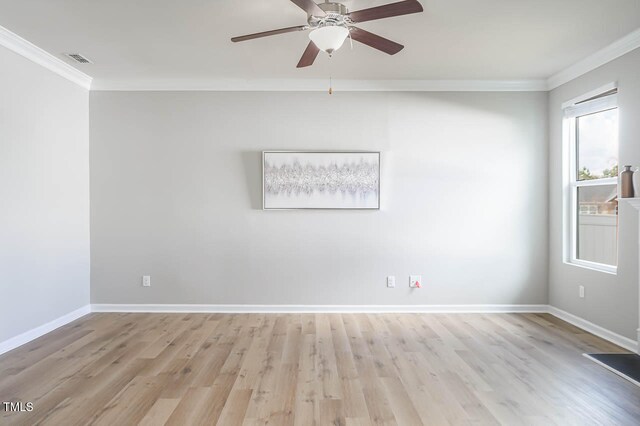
<point x="613" y="370"/>
<point x="635" y="202"/>
<point x="284" y="309"/>
<point x="593" y="266"/>
<point x="34" y="333"/>
<point x="595" y="92"/>
<point x="613" y="51"/>
<point x="570" y="180"/>
<point x="192" y="308"/>
<point x="321" y="85"/>
<point x="592" y="328"/>
<point x="30" y="51"/>
<point x="22" y="47"/>
<point x="596" y="105"/>
<point x="568" y="130"/>
<point x="595" y="182"/>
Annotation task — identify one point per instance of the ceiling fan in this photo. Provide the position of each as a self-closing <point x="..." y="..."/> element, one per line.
<point x="331" y="23"/>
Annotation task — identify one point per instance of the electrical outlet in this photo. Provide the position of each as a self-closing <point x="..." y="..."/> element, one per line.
<point x="581" y="291"/>
<point x="146" y="281"/>
<point x="391" y="281"/>
<point x="415" y="281"/>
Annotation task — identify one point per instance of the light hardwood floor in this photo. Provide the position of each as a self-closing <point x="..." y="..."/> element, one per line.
<point x="329" y="369"/>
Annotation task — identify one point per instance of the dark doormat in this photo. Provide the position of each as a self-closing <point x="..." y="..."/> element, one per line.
<point x="625" y="365"/>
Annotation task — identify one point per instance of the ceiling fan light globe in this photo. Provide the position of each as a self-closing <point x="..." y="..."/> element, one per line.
<point x="330" y="38"/>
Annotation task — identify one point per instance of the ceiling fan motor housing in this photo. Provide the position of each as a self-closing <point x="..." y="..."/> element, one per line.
<point x="337" y="8"/>
<point x="336" y="14"/>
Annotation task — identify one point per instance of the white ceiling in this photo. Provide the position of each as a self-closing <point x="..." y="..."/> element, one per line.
<point x="189" y="39"/>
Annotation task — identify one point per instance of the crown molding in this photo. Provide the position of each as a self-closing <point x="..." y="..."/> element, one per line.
<point x="613" y="51"/>
<point x="320" y="85"/>
<point x="32" y="52"/>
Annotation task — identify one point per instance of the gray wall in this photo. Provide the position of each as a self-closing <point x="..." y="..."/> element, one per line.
<point x="611" y="300"/>
<point x="44" y="195"/>
<point x="176" y="194"/>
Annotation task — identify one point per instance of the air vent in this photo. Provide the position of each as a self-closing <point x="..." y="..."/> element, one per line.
<point x="78" y="58"/>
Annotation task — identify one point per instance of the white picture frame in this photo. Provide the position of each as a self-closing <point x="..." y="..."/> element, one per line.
<point x="321" y="180"/>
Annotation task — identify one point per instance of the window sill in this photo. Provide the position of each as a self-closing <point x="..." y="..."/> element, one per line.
<point x="593" y="266"/>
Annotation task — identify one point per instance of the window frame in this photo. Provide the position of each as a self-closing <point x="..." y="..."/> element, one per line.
<point x="589" y="103"/>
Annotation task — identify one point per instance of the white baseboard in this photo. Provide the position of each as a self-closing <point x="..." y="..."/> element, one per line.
<point x="592" y="328"/>
<point x="30" y="335"/>
<point x="34" y="333"/>
<point x="168" y="308"/>
<point x="192" y="308"/>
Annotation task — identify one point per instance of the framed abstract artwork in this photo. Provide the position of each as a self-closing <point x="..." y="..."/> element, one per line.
<point x="320" y="180"/>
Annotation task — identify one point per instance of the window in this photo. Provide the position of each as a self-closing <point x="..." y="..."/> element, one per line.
<point x="591" y="177"/>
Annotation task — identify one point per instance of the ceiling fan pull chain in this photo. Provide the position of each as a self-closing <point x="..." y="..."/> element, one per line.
<point x="330" y="86"/>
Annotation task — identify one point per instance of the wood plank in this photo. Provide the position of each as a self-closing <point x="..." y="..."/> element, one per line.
<point x="306" y="369"/>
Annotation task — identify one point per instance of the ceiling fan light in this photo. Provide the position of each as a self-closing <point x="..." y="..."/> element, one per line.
<point x="330" y="38"/>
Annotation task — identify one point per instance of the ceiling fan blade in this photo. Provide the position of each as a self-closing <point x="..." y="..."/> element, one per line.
<point x="310" y="7"/>
<point x="269" y="33"/>
<point x="387" y="11"/>
<point x="309" y="55"/>
<point x="375" y="41"/>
